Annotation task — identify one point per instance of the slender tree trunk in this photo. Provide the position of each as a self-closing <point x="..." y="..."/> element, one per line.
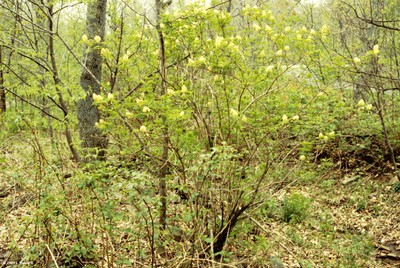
<point x="57" y="82"/>
<point x="385" y="131"/>
<point x="2" y="89"/>
<point x="164" y="167"/>
<point x="229" y="7"/>
<point x="93" y="139"/>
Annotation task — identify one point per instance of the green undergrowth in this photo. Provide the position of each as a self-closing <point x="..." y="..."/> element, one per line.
<point x="106" y="213"/>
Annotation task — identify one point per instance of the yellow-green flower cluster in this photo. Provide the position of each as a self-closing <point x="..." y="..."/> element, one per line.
<point x="325" y="137"/>
<point x="235" y="114"/>
<point x="101" y="124"/>
<point x="375" y="50"/>
<point x="256" y="12"/>
<point x="86" y="39"/>
<point x="285" y="118"/>
<point x="143" y="129"/>
<point x="184" y="89"/>
<point x="98" y="99"/>
<point x="364" y="106"/>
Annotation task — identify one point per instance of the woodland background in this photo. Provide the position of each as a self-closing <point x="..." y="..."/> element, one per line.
<point x="238" y="133"/>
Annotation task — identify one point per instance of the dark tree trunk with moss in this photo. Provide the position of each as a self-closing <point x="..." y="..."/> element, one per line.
<point x="93" y="140"/>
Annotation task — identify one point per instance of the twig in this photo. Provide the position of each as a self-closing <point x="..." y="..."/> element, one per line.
<point x="52" y="256"/>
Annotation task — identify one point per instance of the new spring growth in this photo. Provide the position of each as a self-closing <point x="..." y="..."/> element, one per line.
<point x="312" y="34"/>
<point x="128" y="114"/>
<point x="146" y="109"/>
<point x="84" y="38"/>
<point x="324" y="29"/>
<point x="219" y="40"/>
<point x="125" y="58"/>
<point x="110" y="96"/>
<point x="356" y="60"/>
<point x="184" y="89"/>
<point x="279" y="52"/>
<point x="323" y="137"/>
<point x="233" y="112"/>
<point x="269" y="68"/>
<point x="201" y="60"/>
<point x="326" y="137"/>
<point x="256" y="27"/>
<point x="285" y="119"/>
<point x="295" y="117"/>
<point x="170" y="91"/>
<point x="376" y="49"/>
<point x="97" y="98"/>
<point x="105" y="52"/>
<point x="143" y="129"/>
<point x="100" y="124"/>
<point x="361" y="103"/>
<point x="302" y="157"/>
<point x="97" y="38"/>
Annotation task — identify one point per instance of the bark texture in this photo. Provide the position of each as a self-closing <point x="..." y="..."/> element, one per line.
<point x="93" y="140"/>
<point x="2" y="89"/>
<point x="163" y="75"/>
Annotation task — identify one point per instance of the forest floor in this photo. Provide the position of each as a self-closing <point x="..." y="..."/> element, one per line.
<point x="354" y="219"/>
<point x="354" y="224"/>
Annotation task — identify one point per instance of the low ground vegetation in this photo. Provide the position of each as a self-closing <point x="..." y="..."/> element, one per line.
<point x="313" y="213"/>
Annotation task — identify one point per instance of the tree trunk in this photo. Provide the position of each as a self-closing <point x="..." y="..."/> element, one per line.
<point x="93" y="139"/>
<point x="164" y="167"/>
<point x="62" y="104"/>
<point x="2" y="89"/>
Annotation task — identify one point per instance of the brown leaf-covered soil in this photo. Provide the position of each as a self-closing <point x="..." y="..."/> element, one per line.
<point x="353" y="219"/>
